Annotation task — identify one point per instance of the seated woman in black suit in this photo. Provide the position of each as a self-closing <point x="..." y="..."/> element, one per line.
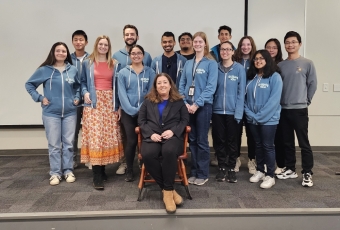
<point x="162" y="118"/>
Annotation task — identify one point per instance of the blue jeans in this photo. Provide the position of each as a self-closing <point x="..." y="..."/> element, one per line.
<point x="264" y="136"/>
<point x="60" y="134"/>
<point x="198" y="139"/>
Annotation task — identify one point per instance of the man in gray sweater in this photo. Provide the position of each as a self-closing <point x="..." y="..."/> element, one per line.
<point x="299" y="85"/>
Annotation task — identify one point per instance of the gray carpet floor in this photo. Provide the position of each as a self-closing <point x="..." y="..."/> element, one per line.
<point x="24" y="187"/>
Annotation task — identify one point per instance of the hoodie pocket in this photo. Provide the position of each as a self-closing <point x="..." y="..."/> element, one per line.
<point x="69" y="106"/>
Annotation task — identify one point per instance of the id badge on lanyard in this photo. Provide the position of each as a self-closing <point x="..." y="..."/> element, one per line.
<point x="192" y="87"/>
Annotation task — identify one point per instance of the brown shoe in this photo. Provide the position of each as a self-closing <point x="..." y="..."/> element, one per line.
<point x="169" y="202"/>
<point x="177" y="198"/>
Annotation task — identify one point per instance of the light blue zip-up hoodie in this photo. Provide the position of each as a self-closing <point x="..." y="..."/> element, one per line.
<point x="245" y="63"/>
<point x="88" y="86"/>
<point x="133" y="87"/>
<point x="262" y="101"/>
<point x="229" y="95"/>
<point x="76" y="62"/>
<point x="60" y="89"/>
<point x="205" y="81"/>
<point x="122" y="56"/>
<point x="156" y="65"/>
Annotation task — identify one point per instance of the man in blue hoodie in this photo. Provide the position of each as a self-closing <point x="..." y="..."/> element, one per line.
<point x="169" y="62"/>
<point x="130" y="36"/>
<point x="79" y="41"/>
<point x="224" y="34"/>
<point x="299" y="86"/>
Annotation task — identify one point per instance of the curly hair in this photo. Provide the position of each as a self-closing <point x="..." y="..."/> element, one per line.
<point x="153" y="95"/>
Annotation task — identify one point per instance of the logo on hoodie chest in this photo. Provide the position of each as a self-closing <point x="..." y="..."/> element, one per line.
<point x="233" y="78"/>
<point x="200" y="71"/>
<point x="144" y="80"/>
<point x="69" y="80"/>
<point x="263" y="85"/>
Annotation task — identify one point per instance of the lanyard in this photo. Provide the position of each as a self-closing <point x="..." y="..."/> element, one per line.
<point x="194" y="67"/>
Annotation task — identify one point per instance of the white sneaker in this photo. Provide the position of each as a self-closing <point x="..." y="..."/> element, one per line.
<point x="237" y="165"/>
<point x="191" y="180"/>
<point x="70" y="178"/>
<point x="55" y="180"/>
<point x="121" y="169"/>
<point x="256" y="177"/>
<point x="214" y="161"/>
<point x="252" y="166"/>
<point x="278" y="170"/>
<point x="287" y="174"/>
<point x="88" y="165"/>
<point x="307" y="180"/>
<point x="268" y="182"/>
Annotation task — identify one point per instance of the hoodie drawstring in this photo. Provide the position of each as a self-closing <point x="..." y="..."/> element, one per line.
<point x="51" y="79"/>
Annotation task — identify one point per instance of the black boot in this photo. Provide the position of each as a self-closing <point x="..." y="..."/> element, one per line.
<point x="104" y="176"/>
<point x="129" y="175"/>
<point x="97" y="177"/>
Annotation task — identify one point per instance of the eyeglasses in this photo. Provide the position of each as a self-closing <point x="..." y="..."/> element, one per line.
<point x="226" y="50"/>
<point x="258" y="59"/>
<point x="271" y="48"/>
<point x="136" y="54"/>
<point x="292" y="42"/>
<point x="168" y="65"/>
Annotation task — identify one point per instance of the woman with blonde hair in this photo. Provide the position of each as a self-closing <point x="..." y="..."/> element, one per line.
<point x="101" y="138"/>
<point x="198" y="85"/>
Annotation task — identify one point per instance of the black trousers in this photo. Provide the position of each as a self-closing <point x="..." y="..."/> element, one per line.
<point x="250" y="139"/>
<point x="296" y="120"/>
<point x="163" y="169"/>
<point x="279" y="147"/>
<point x="225" y="134"/>
<point x="76" y="134"/>
<point x="129" y="123"/>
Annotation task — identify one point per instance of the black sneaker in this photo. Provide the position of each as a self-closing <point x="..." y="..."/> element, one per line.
<point x="231" y="178"/>
<point x="129" y="175"/>
<point x="307" y="180"/>
<point x="221" y="175"/>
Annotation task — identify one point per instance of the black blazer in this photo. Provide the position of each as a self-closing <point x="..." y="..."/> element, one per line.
<point x="175" y="117"/>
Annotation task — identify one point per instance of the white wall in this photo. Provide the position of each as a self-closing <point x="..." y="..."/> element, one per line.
<point x="267" y="18"/>
<point x="30" y="28"/>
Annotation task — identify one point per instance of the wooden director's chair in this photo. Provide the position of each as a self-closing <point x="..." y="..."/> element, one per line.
<point x="181" y="170"/>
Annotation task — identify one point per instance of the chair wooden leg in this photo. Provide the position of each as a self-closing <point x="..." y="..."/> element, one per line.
<point x="185" y="182"/>
<point x="141" y="183"/>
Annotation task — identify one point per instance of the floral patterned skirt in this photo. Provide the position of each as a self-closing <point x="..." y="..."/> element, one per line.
<point x="101" y="142"/>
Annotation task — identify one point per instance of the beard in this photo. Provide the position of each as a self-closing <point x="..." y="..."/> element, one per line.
<point x="185" y="48"/>
<point x="134" y="43"/>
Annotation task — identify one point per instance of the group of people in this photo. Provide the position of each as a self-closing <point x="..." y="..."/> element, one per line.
<point x="109" y="95"/>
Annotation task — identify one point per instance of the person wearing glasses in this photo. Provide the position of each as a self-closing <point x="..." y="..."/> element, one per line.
<point x="224" y="34"/>
<point x="262" y="109"/>
<point x="274" y="48"/>
<point x="299" y="86"/>
<point x="130" y="37"/>
<point x="198" y="85"/>
<point x="185" y="43"/>
<point x="243" y="54"/>
<point x="169" y="62"/>
<point x="134" y="82"/>
<point x="228" y="108"/>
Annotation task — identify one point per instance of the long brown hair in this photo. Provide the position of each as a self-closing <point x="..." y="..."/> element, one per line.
<point x="51" y="60"/>
<point x="238" y="53"/>
<point x="94" y="56"/>
<point x="206" y="47"/>
<point x="154" y="97"/>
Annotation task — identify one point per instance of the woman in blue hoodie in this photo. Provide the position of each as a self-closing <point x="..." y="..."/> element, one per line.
<point x="262" y="108"/>
<point x="101" y="139"/>
<point x="228" y="110"/>
<point x="198" y="85"/>
<point x="134" y="82"/>
<point x="59" y="108"/>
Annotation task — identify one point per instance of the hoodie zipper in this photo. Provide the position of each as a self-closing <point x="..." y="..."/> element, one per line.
<point x="225" y="88"/>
